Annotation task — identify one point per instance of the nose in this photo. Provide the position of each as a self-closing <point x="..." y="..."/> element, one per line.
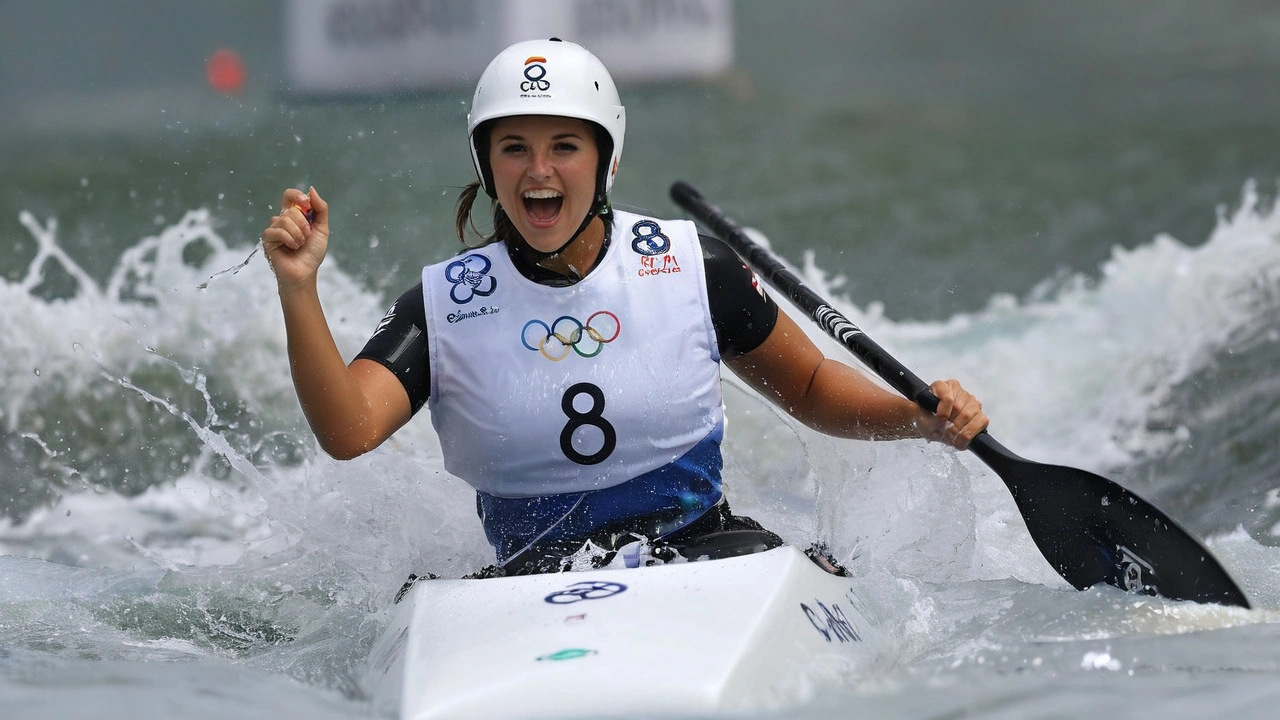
<point x="539" y="165"/>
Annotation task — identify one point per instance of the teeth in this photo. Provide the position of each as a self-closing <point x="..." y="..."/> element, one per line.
<point x="541" y="194"/>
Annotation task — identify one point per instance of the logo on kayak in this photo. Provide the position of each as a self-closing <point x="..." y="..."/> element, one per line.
<point x="470" y="278"/>
<point x="593" y="590"/>
<point x="831" y="622"/>
<point x="566" y="654"/>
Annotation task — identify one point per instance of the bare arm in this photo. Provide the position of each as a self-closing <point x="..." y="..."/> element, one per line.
<point x="835" y="399"/>
<point x="351" y="409"/>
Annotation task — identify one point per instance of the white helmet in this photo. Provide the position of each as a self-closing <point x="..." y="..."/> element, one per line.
<point x="548" y="77"/>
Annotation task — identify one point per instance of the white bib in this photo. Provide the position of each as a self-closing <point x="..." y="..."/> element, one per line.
<point x="539" y="390"/>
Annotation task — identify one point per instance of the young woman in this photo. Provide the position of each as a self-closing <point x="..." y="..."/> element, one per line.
<point x="571" y="363"/>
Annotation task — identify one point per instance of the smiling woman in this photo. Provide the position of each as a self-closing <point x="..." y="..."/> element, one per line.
<point x="545" y="170"/>
<point x="574" y="112"/>
<point x="582" y="437"/>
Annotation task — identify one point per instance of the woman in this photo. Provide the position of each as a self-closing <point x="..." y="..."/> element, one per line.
<point x="571" y="363"/>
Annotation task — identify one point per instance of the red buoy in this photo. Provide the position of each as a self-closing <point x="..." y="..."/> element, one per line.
<point x="225" y="72"/>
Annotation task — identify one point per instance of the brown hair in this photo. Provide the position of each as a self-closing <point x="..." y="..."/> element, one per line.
<point x="503" y="228"/>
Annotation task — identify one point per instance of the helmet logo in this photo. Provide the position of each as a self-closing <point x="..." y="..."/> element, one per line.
<point x="535" y="76"/>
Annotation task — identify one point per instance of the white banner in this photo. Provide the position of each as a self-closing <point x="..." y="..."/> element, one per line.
<point x="374" y="46"/>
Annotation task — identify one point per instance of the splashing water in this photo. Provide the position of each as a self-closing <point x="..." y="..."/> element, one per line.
<point x="177" y="508"/>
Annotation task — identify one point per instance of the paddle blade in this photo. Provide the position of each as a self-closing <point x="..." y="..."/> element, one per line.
<point x="1092" y="531"/>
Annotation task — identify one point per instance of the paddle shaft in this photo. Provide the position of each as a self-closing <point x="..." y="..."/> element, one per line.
<point x="828" y="318"/>
<point x="831" y="320"/>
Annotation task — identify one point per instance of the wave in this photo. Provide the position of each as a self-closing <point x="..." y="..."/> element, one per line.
<point x="152" y="415"/>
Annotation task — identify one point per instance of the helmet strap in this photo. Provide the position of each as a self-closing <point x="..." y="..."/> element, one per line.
<point x="553" y="260"/>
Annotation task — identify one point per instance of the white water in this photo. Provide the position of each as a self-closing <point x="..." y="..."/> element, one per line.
<point x="196" y="556"/>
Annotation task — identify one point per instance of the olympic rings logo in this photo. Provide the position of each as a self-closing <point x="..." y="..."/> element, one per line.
<point x="567" y="333"/>
<point x="592" y="590"/>
<point x="470" y="277"/>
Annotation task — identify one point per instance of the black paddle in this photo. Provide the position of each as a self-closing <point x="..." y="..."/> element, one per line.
<point x="1090" y="529"/>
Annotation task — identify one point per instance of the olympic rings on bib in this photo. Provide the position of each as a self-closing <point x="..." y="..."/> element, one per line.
<point x="567" y="333"/>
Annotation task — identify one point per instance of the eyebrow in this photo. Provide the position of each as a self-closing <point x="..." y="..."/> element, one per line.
<point x="557" y="136"/>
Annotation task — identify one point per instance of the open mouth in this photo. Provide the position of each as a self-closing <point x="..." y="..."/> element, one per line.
<point x="543" y="206"/>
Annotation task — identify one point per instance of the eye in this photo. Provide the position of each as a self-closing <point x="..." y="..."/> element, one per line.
<point x="511" y="148"/>
<point x="566" y="146"/>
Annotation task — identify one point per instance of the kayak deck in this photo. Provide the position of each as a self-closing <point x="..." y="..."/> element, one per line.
<point x="740" y="633"/>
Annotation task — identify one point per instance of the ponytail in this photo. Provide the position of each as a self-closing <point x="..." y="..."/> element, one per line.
<point x="463" y="221"/>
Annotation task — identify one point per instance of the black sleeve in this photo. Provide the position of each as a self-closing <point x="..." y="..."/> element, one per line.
<point x="742" y="313"/>
<point x="400" y="344"/>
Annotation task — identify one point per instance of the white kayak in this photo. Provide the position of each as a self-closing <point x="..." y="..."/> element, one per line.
<point x="743" y="633"/>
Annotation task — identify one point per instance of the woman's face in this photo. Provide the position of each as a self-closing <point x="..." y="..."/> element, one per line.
<point x="544" y="172"/>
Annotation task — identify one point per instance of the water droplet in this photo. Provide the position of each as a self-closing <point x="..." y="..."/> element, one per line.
<point x="37" y="372"/>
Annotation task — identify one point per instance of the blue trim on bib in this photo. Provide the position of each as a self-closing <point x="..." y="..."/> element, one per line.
<point x="661" y="500"/>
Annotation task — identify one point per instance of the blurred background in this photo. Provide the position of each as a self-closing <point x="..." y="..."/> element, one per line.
<point x="925" y="140"/>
